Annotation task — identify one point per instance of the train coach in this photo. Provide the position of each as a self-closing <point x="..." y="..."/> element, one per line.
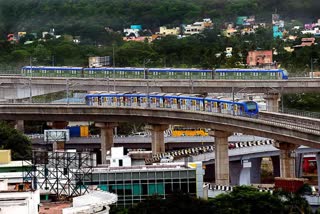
<point x="154" y="73"/>
<point x="174" y="101"/>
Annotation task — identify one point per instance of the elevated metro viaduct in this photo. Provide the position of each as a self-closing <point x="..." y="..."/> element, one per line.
<point x="14" y="89"/>
<point x="290" y="131"/>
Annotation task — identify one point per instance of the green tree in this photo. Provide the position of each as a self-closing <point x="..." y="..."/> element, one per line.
<point x="13" y="139"/>
<point x="244" y="199"/>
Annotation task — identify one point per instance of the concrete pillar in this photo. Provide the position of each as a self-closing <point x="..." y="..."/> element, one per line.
<point x="255" y="170"/>
<point x="221" y="157"/>
<point x="272" y="101"/>
<point x="19" y="125"/>
<point x="299" y="165"/>
<point x="157" y="137"/>
<point x="245" y="174"/>
<point x="276" y="166"/>
<point x="318" y="169"/>
<point x="106" y="139"/>
<point x="235" y="171"/>
<point x="287" y="159"/>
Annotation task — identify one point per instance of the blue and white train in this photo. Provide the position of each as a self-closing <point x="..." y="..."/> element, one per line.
<point x="174" y="101"/>
<point x="155" y="73"/>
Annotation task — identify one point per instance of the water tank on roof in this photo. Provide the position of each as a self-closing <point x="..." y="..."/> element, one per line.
<point x="139" y="27"/>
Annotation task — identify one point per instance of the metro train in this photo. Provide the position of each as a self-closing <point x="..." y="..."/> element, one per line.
<point x="190" y="102"/>
<point x="154" y="73"/>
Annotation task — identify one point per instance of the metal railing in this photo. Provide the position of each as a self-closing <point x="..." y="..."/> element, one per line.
<point x="308" y="125"/>
<point x="300" y="113"/>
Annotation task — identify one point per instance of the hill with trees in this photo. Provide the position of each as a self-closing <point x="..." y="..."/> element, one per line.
<point x="88" y="18"/>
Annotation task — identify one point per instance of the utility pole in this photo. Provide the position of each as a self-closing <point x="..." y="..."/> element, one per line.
<point x="30" y="91"/>
<point x="114" y="71"/>
<point x="30" y="84"/>
<point x="67" y="90"/>
<point x="311" y="68"/>
<point x="233" y="113"/>
<point x="147" y="78"/>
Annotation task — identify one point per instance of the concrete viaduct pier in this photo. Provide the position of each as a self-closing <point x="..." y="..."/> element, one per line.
<point x="283" y="128"/>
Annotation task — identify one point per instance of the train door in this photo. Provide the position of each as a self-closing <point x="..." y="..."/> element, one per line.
<point x="103" y="100"/>
<point x="208" y="105"/>
<point x="224" y="108"/>
<point x="175" y="103"/>
<point x="108" y="101"/>
<point x="127" y="100"/>
<point x="95" y="101"/>
<point x="159" y="101"/>
<point x="143" y="101"/>
<point x="167" y="102"/>
<point x="215" y="107"/>
<point x="193" y="105"/>
<point x="134" y="101"/>
<point x="152" y="101"/>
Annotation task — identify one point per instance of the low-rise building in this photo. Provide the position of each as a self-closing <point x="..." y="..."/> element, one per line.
<point x="18" y="201"/>
<point x="164" y="31"/>
<point x="259" y="58"/>
<point x="305" y="42"/>
<point x="136" y="183"/>
<point x="197" y="27"/>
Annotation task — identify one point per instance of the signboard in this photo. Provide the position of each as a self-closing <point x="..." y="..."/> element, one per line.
<point x="56" y="135"/>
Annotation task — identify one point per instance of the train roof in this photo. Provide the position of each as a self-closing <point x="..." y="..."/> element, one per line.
<point x="248" y="70"/>
<point x="179" y="70"/>
<point x="115" y="68"/>
<point x="52" y="67"/>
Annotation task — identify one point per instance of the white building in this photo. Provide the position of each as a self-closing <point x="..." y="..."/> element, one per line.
<point x="130" y="32"/>
<point x="197" y="27"/>
<point x="118" y="158"/>
<point x="21" y="202"/>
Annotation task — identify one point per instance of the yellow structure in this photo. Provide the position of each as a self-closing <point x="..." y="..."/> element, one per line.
<point x="84" y="131"/>
<point x="5" y="156"/>
<point x="178" y="131"/>
<point x="21" y="34"/>
<point x="169" y="31"/>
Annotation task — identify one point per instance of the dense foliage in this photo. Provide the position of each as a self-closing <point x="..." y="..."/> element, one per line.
<point x="13" y="139"/>
<point x="243" y="199"/>
<point x="89" y="17"/>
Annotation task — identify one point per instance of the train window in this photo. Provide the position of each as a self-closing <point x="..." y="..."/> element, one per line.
<point x="255" y="74"/>
<point x="91" y="72"/>
<point x="74" y="72"/>
<point x="251" y="106"/>
<point x="238" y="73"/>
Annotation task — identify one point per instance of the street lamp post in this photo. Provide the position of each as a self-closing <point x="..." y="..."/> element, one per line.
<point x="311" y="68"/>
<point x="114" y="72"/>
<point x="145" y="62"/>
<point x="233" y="98"/>
<point x="312" y="61"/>
<point x="30" y="90"/>
<point x="67" y="90"/>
